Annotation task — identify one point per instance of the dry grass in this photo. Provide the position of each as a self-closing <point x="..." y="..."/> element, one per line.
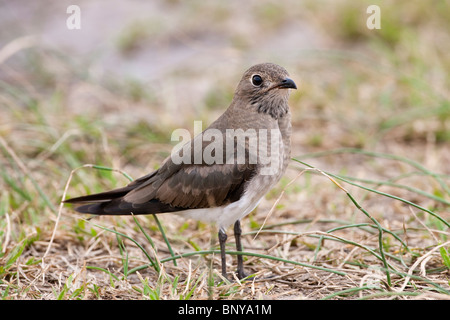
<point x="370" y="220"/>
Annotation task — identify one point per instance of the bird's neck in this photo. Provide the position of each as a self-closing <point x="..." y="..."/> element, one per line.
<point x="275" y="105"/>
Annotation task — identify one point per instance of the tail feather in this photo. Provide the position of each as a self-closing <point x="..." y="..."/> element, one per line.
<point x="101" y="197"/>
<point x="93" y="208"/>
<point x="120" y="207"/>
<point x="112" y="203"/>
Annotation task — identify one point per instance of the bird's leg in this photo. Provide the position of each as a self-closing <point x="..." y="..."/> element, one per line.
<point x="240" y="260"/>
<point x="222" y="240"/>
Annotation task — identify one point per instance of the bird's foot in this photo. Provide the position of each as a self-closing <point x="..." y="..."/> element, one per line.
<point x="242" y="275"/>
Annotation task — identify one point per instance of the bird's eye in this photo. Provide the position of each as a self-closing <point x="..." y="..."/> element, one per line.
<point x="257" y="80"/>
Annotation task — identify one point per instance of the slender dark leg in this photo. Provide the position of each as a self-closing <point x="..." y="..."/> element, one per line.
<point x="240" y="260"/>
<point x="222" y="239"/>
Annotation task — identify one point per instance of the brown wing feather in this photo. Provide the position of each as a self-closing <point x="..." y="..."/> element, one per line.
<point x="194" y="185"/>
<point x="200" y="186"/>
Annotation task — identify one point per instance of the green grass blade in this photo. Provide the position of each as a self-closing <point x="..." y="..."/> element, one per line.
<point x="383" y="194"/>
<point x="152" y="262"/>
<point x="166" y="240"/>
<point x="105" y="271"/>
<point x="410" y="162"/>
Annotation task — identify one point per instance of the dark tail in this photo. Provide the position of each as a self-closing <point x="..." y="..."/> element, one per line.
<point x="112" y="203"/>
<point x="101" y="197"/>
<point x="99" y="202"/>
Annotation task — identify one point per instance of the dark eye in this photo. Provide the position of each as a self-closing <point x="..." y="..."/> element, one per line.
<point x="257" y="80"/>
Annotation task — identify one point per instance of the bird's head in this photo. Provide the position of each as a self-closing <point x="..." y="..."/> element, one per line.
<point x="265" y="87"/>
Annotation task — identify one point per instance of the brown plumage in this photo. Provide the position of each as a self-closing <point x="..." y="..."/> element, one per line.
<point x="223" y="191"/>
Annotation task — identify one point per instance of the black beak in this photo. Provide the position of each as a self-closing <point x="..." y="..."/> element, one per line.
<point x="287" y="83"/>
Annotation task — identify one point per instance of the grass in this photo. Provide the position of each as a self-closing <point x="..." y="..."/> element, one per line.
<point x="362" y="213"/>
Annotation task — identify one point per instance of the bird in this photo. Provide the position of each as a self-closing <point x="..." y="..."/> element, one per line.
<point x="220" y="175"/>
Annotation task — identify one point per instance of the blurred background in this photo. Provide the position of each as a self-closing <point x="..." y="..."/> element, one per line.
<point x="112" y="92"/>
